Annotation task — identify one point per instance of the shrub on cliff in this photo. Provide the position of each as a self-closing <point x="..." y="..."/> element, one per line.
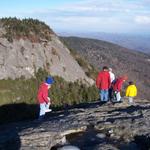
<point x="18" y="97"/>
<point x="31" y="29"/>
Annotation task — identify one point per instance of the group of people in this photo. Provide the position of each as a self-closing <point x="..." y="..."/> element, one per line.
<point x="110" y="87"/>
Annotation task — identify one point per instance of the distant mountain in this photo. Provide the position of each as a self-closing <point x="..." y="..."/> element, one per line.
<point x="122" y="60"/>
<point x="135" y="42"/>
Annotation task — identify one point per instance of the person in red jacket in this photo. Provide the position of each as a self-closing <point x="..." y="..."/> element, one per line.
<point x="43" y="99"/>
<point x="118" y="86"/>
<point x="103" y="83"/>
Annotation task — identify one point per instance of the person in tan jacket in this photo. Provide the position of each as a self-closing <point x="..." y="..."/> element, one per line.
<point x="131" y="92"/>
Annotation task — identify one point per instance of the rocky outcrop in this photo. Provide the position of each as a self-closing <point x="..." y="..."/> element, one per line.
<point x="23" y="57"/>
<point x="87" y="126"/>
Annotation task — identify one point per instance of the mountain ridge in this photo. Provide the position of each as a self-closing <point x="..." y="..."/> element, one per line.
<point x="122" y="60"/>
<point x="135" y="42"/>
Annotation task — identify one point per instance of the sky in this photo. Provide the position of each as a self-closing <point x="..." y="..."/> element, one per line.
<point x="111" y="16"/>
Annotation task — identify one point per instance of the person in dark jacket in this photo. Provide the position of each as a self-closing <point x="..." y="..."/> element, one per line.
<point x="103" y="83"/>
<point x="43" y="99"/>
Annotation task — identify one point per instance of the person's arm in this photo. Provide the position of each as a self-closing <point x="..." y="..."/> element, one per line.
<point x="45" y="95"/>
<point x="119" y="86"/>
<point x="135" y="91"/>
<point x="109" y="80"/>
<point x="98" y="81"/>
<point x="127" y="91"/>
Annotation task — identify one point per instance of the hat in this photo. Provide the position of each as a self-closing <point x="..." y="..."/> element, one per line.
<point x="49" y="80"/>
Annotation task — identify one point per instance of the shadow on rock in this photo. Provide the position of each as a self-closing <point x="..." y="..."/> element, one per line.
<point x="9" y="132"/>
<point x="143" y="141"/>
<point x="85" y="105"/>
<point x="112" y="120"/>
<point x="17" y="112"/>
<point x="140" y="142"/>
<point x="130" y="109"/>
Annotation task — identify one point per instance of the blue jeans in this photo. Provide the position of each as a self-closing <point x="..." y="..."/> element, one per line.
<point x="104" y="95"/>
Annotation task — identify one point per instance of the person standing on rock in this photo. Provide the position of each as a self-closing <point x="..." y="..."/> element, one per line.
<point x="112" y="79"/>
<point x="118" y="86"/>
<point x="112" y="75"/>
<point x="131" y="92"/>
<point x="103" y="83"/>
<point x="43" y="99"/>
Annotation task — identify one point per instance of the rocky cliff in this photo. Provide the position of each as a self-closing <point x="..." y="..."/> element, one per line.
<point x="88" y="126"/>
<point x="23" y="53"/>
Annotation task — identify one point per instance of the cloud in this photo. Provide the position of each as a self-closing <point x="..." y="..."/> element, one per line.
<point x="145" y="20"/>
<point x="97" y="7"/>
<point x="95" y="15"/>
<point x="100" y="15"/>
<point x="108" y="6"/>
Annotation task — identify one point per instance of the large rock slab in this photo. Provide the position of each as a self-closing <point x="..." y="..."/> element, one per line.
<point x="121" y="124"/>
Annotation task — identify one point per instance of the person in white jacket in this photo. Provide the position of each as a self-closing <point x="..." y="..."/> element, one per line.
<point x="112" y="75"/>
<point x="112" y="78"/>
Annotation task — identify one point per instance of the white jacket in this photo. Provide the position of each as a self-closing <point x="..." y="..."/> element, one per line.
<point x="112" y="76"/>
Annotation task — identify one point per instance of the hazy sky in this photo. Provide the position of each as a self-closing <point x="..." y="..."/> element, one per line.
<point x="84" y="15"/>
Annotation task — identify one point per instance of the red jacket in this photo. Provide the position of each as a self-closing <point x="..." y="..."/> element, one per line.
<point x="43" y="93"/>
<point x="118" y="84"/>
<point x="103" y="80"/>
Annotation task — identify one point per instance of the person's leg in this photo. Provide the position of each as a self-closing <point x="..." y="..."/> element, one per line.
<point x="47" y="105"/>
<point x="130" y="100"/>
<point x="118" y="96"/>
<point x="42" y="110"/>
<point x="102" y="95"/>
<point x="110" y="94"/>
<point x="47" y="108"/>
<point x="113" y="96"/>
<point x="106" y="95"/>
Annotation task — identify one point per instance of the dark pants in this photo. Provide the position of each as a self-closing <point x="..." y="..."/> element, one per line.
<point x="110" y="93"/>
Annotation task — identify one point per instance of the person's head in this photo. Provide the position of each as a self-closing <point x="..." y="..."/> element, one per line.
<point x="124" y="78"/>
<point x="110" y="69"/>
<point x="131" y="83"/>
<point x="105" y="68"/>
<point x="49" y="81"/>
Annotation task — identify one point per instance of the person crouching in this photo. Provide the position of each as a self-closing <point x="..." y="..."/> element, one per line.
<point x="118" y="86"/>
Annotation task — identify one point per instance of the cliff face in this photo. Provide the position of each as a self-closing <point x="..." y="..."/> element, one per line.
<point x="23" y="57"/>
